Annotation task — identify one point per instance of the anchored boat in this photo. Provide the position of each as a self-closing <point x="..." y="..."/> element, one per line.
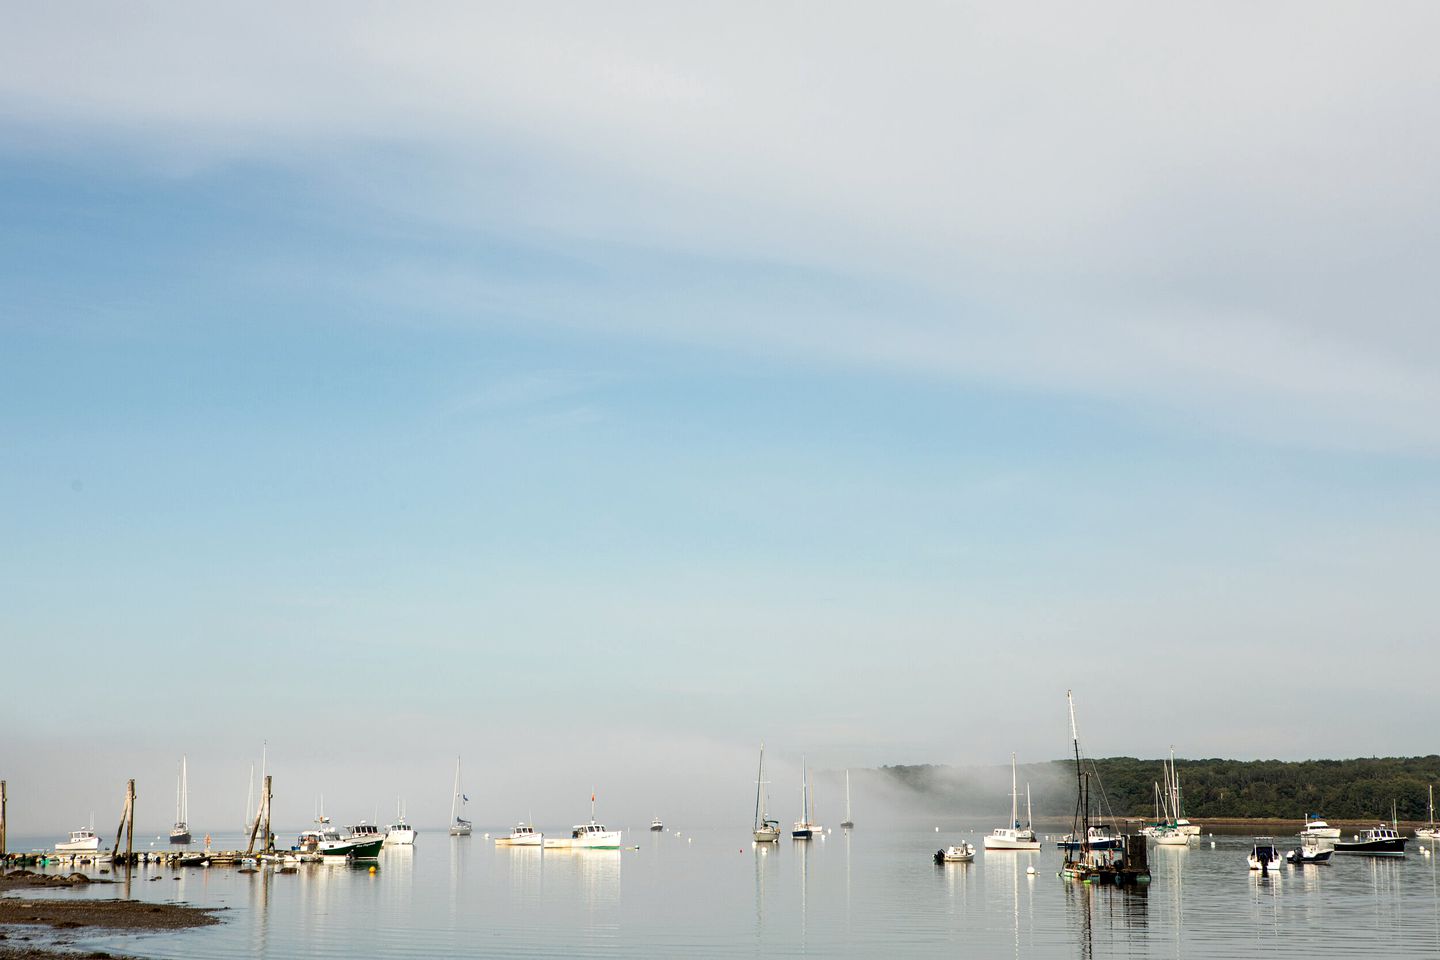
<point x="1014" y="837"/>
<point x="765" y="830"/>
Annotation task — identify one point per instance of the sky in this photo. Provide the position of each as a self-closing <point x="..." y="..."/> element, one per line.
<point x="595" y="391"/>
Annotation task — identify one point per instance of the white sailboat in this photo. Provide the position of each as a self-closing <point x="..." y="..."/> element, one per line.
<point x="459" y="826"/>
<point x="806" y="827"/>
<point x="250" y="812"/>
<point x="1014" y="837"/>
<point x="765" y="830"/>
<point x="180" y="833"/>
<point x="1429" y="832"/>
<point x="847" y="823"/>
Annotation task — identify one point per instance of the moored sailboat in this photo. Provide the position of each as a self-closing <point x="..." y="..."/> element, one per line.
<point x="1014" y="837"/>
<point x="765" y="830"/>
<point x="459" y="826"/>
<point x="180" y="833"/>
<point x="1122" y="862"/>
<point x="806" y="827"/>
<point x="1429" y="832"/>
<point x="847" y="823"/>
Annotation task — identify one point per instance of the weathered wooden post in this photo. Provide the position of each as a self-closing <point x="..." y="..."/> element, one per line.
<point x="127" y="823"/>
<point x="130" y="823"/>
<point x="269" y="837"/>
<point x="3" y="848"/>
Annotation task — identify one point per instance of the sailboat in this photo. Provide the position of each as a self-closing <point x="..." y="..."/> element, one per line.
<point x="1014" y="837"/>
<point x="847" y="823"/>
<point x="1085" y="858"/>
<point x="806" y="827"/>
<point x="765" y="829"/>
<point x="459" y="826"/>
<point x="1182" y="826"/>
<point x="250" y="797"/>
<point x="180" y="834"/>
<point x="1429" y="832"/>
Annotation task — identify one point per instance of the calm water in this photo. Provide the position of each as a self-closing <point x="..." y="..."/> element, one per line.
<point x="874" y="892"/>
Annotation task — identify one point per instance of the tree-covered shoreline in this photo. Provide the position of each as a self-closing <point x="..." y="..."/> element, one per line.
<point x="1356" y="789"/>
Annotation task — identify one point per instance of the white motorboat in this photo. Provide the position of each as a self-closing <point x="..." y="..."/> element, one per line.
<point x="806" y="828"/>
<point x="765" y="830"/>
<point x="1264" y="855"/>
<point x="523" y="835"/>
<point x="459" y="826"/>
<point x="81" y="841"/>
<point x="1014" y="837"/>
<point x="180" y="833"/>
<point x="657" y="824"/>
<point x="587" y="836"/>
<point x="956" y="853"/>
<point x="399" y="833"/>
<point x="1312" y="850"/>
<point x="1319" y="829"/>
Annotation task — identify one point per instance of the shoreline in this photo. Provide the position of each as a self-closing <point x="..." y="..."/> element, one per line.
<point x="32" y="929"/>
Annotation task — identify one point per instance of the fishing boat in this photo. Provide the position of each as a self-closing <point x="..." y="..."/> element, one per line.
<point x="765" y="830"/>
<point x="459" y="826"/>
<point x="956" y="853"/>
<point x="1097" y="837"/>
<point x="1120" y="863"/>
<point x="399" y="833"/>
<point x="366" y="839"/>
<point x="1319" y="829"/>
<point x="1014" y="837"/>
<point x="523" y="835"/>
<point x="587" y="836"/>
<point x="328" y="843"/>
<point x="180" y="833"/>
<point x="806" y="828"/>
<point x="657" y="824"/>
<point x="81" y="841"/>
<point x="847" y="823"/>
<point x="1312" y="850"/>
<point x="1429" y="832"/>
<point x="1264" y="855"/>
<point x="1380" y="841"/>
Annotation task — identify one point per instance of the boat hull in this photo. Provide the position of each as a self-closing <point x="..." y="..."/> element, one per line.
<point x="79" y="846"/>
<point x="180" y="838"/>
<point x="1375" y="848"/>
<point x="353" y="850"/>
<point x="399" y="838"/>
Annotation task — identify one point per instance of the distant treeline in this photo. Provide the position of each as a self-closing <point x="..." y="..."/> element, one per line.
<point x="1361" y="789"/>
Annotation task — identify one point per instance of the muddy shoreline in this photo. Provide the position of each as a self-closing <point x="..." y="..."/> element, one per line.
<point x="35" y="928"/>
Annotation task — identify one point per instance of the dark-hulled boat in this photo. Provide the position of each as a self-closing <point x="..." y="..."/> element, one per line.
<point x="1381" y="841"/>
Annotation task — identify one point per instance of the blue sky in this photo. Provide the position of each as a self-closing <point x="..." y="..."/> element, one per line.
<point x="638" y="391"/>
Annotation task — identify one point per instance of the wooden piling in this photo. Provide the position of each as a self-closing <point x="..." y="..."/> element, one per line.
<point x="3" y="848"/>
<point x="262" y="816"/>
<point x="127" y="826"/>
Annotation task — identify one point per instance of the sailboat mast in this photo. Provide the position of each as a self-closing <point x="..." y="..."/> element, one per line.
<point x="455" y="795"/>
<point x="1081" y="812"/>
<point x="847" y="796"/>
<point x="760" y="788"/>
<point x="1014" y="795"/>
<point x="184" y="789"/>
<point x="177" y="792"/>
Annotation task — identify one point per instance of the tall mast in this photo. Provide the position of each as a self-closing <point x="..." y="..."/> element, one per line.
<point x="759" y="788"/>
<point x="847" y="795"/>
<point x="455" y="797"/>
<point x="184" y="789"/>
<point x="804" y="789"/>
<point x="1082" y="812"/>
<point x="1014" y="795"/>
<point x="177" y="792"/>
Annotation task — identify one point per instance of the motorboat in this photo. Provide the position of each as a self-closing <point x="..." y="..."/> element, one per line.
<point x="1380" y="841"/>
<point x="586" y="836"/>
<point x="657" y="824"/>
<point x="1014" y="837"/>
<point x="400" y="833"/>
<point x="367" y="839"/>
<point x="523" y="835"/>
<point x="806" y="828"/>
<point x="764" y="830"/>
<point x="1318" y="828"/>
<point x="1311" y="850"/>
<point x="956" y="853"/>
<point x="1098" y="837"/>
<point x="81" y="841"/>
<point x="1264" y="855"/>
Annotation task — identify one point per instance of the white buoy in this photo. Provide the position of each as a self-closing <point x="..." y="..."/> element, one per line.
<point x="487" y="836"/>
<point x="1030" y="871"/>
<point x="1212" y="844"/>
<point x="937" y="829"/>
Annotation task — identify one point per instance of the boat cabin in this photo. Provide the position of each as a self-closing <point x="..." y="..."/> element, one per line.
<point x="363" y="829"/>
<point x="587" y="829"/>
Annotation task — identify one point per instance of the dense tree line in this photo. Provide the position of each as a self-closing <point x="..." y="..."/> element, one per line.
<point x="1360" y="789"/>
